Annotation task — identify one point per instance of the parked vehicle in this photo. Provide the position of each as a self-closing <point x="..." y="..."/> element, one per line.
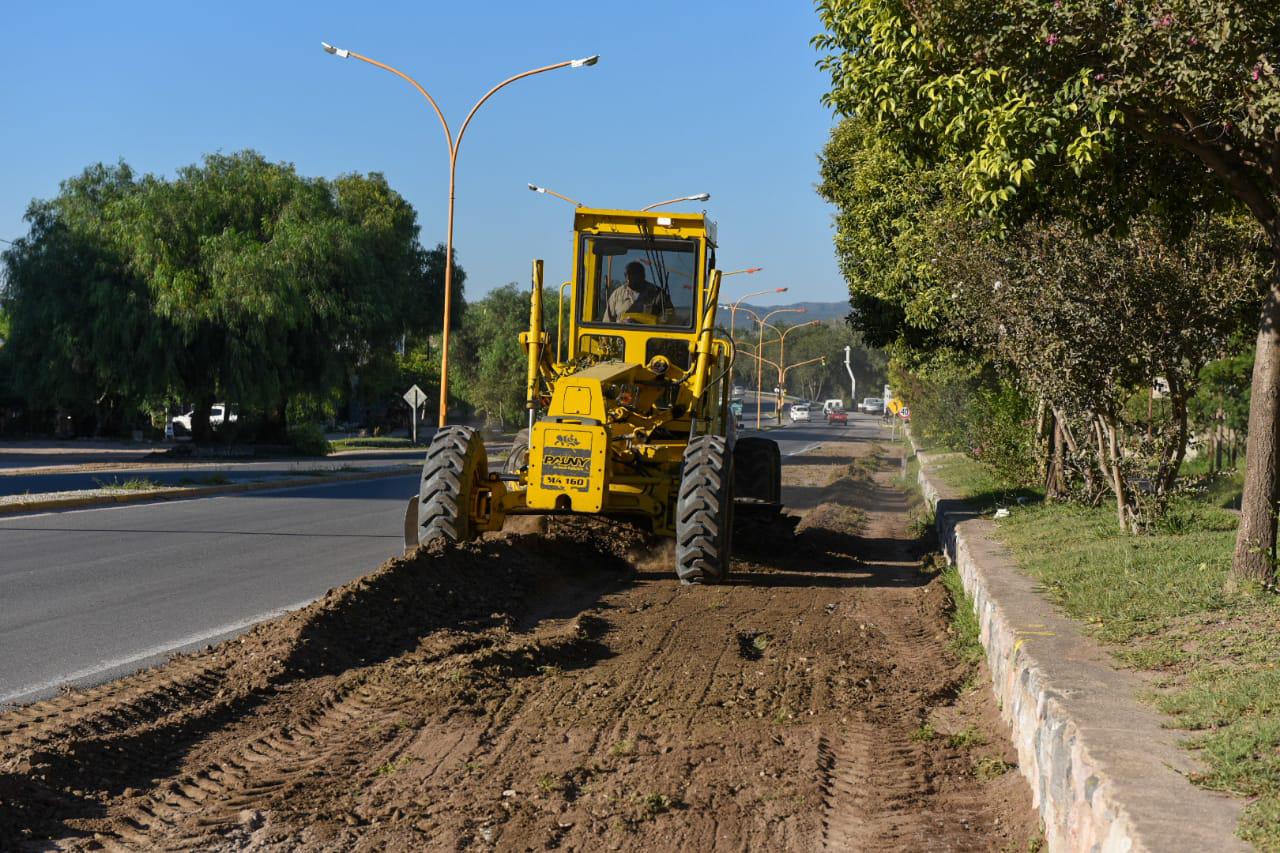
<point x="872" y="405"/>
<point x="180" y="425"/>
<point x="800" y="412"/>
<point x="838" y="416"/>
<point x="737" y="393"/>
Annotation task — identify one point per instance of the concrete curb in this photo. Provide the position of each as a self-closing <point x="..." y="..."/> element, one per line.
<point x="1104" y="772"/>
<point x="185" y="493"/>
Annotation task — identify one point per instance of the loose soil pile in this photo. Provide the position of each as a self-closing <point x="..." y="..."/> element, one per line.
<point x="557" y="690"/>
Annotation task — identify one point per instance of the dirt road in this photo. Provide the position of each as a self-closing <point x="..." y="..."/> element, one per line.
<point x="559" y="691"/>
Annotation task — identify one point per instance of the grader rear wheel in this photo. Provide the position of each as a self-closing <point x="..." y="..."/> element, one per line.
<point x="456" y="463"/>
<point x="704" y="512"/>
<point x="757" y="474"/>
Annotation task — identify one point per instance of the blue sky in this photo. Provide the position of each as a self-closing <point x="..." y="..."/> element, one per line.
<point x="688" y="97"/>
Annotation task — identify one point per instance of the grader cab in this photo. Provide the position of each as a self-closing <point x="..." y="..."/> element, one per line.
<point x="628" y="404"/>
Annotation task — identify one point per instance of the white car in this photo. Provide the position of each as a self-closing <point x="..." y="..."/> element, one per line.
<point x="872" y="405"/>
<point x="800" y="412"/>
<point x="180" y="426"/>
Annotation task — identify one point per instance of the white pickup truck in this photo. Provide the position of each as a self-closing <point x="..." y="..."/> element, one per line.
<point x="180" y="425"/>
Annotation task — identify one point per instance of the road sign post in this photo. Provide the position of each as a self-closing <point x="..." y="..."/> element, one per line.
<point x="415" y="397"/>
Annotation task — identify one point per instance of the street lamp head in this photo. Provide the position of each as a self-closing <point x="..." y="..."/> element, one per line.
<point x="780" y="290"/>
<point x="585" y="61"/>
<point x="336" y="51"/>
<point x="536" y="188"/>
<point x="700" y="197"/>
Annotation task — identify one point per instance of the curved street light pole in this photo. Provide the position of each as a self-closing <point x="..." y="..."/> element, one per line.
<point x="537" y="189"/>
<point x="756" y="355"/>
<point x="733" y="308"/>
<point x="697" y="197"/>
<point x="760" y="350"/>
<point x="782" y="359"/>
<point x="454" y="144"/>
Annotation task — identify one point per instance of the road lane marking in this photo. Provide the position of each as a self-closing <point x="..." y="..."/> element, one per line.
<point x="155" y="651"/>
<point x="806" y="449"/>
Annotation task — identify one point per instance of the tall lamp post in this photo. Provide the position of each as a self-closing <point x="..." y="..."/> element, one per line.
<point x="537" y="189"/>
<point x="782" y="359"/>
<point x="454" y="143"/>
<point x="760" y="351"/>
<point x="733" y="308"/>
<point x="695" y="197"/>
<point x="784" y="370"/>
<point x="756" y="355"/>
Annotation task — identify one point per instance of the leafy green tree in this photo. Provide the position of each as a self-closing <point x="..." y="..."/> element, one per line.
<point x="82" y="338"/>
<point x="891" y="212"/>
<point x="489" y="356"/>
<point x="1220" y="406"/>
<point x="1093" y="110"/>
<point x="1083" y="321"/>
<point x="237" y="280"/>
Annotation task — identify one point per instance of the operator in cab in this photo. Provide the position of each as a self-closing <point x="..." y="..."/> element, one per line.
<point x="636" y="296"/>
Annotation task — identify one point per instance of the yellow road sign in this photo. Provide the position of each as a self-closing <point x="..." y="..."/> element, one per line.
<point x="895" y="406"/>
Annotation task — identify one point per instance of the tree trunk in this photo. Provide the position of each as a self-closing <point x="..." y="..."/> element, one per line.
<point x="201" y="432"/>
<point x="1055" y="480"/>
<point x="1217" y="441"/>
<point x="1256" y="538"/>
<point x="1175" y="447"/>
<point x="1110" y="458"/>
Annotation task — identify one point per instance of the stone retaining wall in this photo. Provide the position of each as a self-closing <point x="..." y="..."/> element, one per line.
<point x="1104" y="773"/>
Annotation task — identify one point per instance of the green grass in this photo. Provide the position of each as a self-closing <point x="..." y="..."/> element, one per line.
<point x="964" y="641"/>
<point x="1164" y="603"/>
<point x="979" y="484"/>
<point x="133" y="484"/>
<point x="382" y="441"/>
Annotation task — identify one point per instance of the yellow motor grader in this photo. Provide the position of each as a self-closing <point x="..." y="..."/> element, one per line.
<point x="628" y="404"/>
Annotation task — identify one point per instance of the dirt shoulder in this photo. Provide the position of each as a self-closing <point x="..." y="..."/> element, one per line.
<point x="562" y="690"/>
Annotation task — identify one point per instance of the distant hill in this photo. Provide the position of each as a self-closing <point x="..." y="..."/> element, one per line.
<point x="813" y="310"/>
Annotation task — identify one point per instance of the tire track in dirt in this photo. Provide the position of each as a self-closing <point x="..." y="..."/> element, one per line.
<point x="556" y="690"/>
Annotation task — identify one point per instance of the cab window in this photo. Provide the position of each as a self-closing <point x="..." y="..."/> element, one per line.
<point x="625" y="280"/>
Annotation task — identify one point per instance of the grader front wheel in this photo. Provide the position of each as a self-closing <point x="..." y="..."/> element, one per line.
<point x="704" y="511"/>
<point x="456" y="464"/>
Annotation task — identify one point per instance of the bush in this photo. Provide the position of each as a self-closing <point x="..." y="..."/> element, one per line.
<point x="309" y="440"/>
<point x="979" y="414"/>
<point x="999" y="423"/>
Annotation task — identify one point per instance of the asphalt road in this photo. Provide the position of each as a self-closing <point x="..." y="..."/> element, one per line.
<point x="88" y="595"/>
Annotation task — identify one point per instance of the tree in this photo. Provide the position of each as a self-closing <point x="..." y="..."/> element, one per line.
<point x="237" y="280"/>
<point x="891" y="212"/>
<point x="1083" y="321"/>
<point x="1094" y="110"/>
<point x="82" y="338"/>
<point x="1221" y="405"/>
<point x="490" y="358"/>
